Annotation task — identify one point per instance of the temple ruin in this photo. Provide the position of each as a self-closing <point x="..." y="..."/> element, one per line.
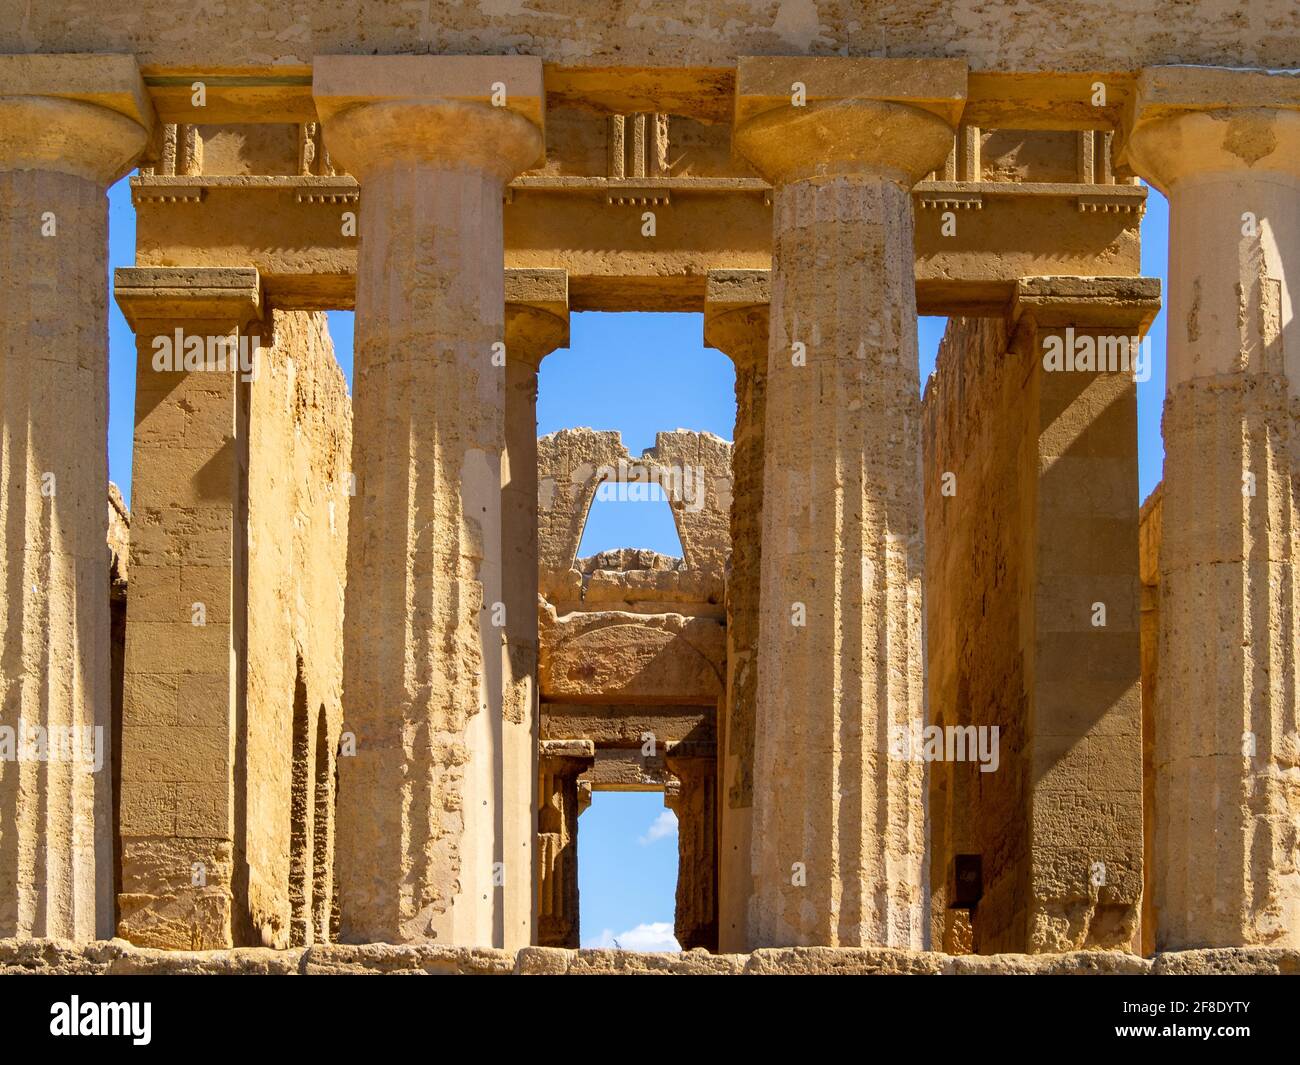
<point x="930" y="680"/>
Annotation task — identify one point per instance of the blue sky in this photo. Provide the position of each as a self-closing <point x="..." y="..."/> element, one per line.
<point x="640" y="374"/>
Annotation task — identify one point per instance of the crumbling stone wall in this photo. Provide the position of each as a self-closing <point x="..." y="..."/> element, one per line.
<point x="572" y="465"/>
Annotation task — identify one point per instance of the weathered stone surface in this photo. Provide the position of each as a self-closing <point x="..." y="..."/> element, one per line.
<point x="1076" y="963"/>
<point x="187" y="609"/>
<point x="1225" y="146"/>
<point x="809" y="199"/>
<point x="418" y="959"/>
<point x="736" y="323"/>
<point x="559" y="764"/>
<point x="425" y="667"/>
<point x="673" y="54"/>
<point x="1228" y="961"/>
<point x="57" y="156"/>
<point x="630" y="963"/>
<point x="113" y="957"/>
<point x="691" y="470"/>
<point x="844" y="961"/>
<point x="1018" y="557"/>
<point x="617" y="657"/>
<point x="838" y="848"/>
<point x="300" y="436"/>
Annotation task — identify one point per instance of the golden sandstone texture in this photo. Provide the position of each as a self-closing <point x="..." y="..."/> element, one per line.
<point x="930" y="690"/>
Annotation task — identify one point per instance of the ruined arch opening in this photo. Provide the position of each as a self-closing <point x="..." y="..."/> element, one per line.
<point x="629" y="512"/>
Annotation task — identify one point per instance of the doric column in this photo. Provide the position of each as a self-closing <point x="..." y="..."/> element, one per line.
<point x="838" y="826"/>
<point x="1225" y="147"/>
<point x="735" y="322"/>
<point x="693" y="797"/>
<point x="184" y="868"/>
<point x="69" y="127"/>
<point x="537" y="322"/>
<point x="420" y="845"/>
<point x="559" y="764"/>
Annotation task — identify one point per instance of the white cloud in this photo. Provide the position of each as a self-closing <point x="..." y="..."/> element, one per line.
<point x="657" y="935"/>
<point x="663" y="826"/>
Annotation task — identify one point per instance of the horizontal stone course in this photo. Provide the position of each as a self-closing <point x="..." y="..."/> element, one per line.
<point x="53" y="957"/>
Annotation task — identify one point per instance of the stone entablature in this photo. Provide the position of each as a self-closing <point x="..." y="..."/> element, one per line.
<point x="1006" y="203"/>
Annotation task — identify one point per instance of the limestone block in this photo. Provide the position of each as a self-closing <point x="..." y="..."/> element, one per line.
<point x="613" y="656"/>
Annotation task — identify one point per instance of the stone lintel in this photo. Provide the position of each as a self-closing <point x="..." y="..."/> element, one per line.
<point x="288" y="227"/>
<point x="1129" y="303"/>
<point x="111" y="81"/>
<point x="543" y="290"/>
<point x="194" y="293"/>
<point x="576" y="754"/>
<point x="340" y="82"/>
<point x="1167" y="91"/>
<point x="1055" y="100"/>
<point x="278" y="95"/>
<point x="730" y="290"/>
<point x="766" y="83"/>
<point x="627" y="769"/>
<point x="623" y="725"/>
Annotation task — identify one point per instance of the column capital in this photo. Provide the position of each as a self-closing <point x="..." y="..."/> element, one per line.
<point x="480" y="112"/>
<point x="798" y="117"/>
<point x="736" y="312"/>
<point x="537" y="314"/>
<point x="1190" y="122"/>
<point x="84" y="115"/>
<point x="147" y="294"/>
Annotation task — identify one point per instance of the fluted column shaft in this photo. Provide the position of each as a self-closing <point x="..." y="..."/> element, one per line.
<point x="840" y="629"/>
<point x="56" y="857"/>
<point x="1227" y="808"/>
<point x="838" y="825"/>
<point x="420" y="839"/>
